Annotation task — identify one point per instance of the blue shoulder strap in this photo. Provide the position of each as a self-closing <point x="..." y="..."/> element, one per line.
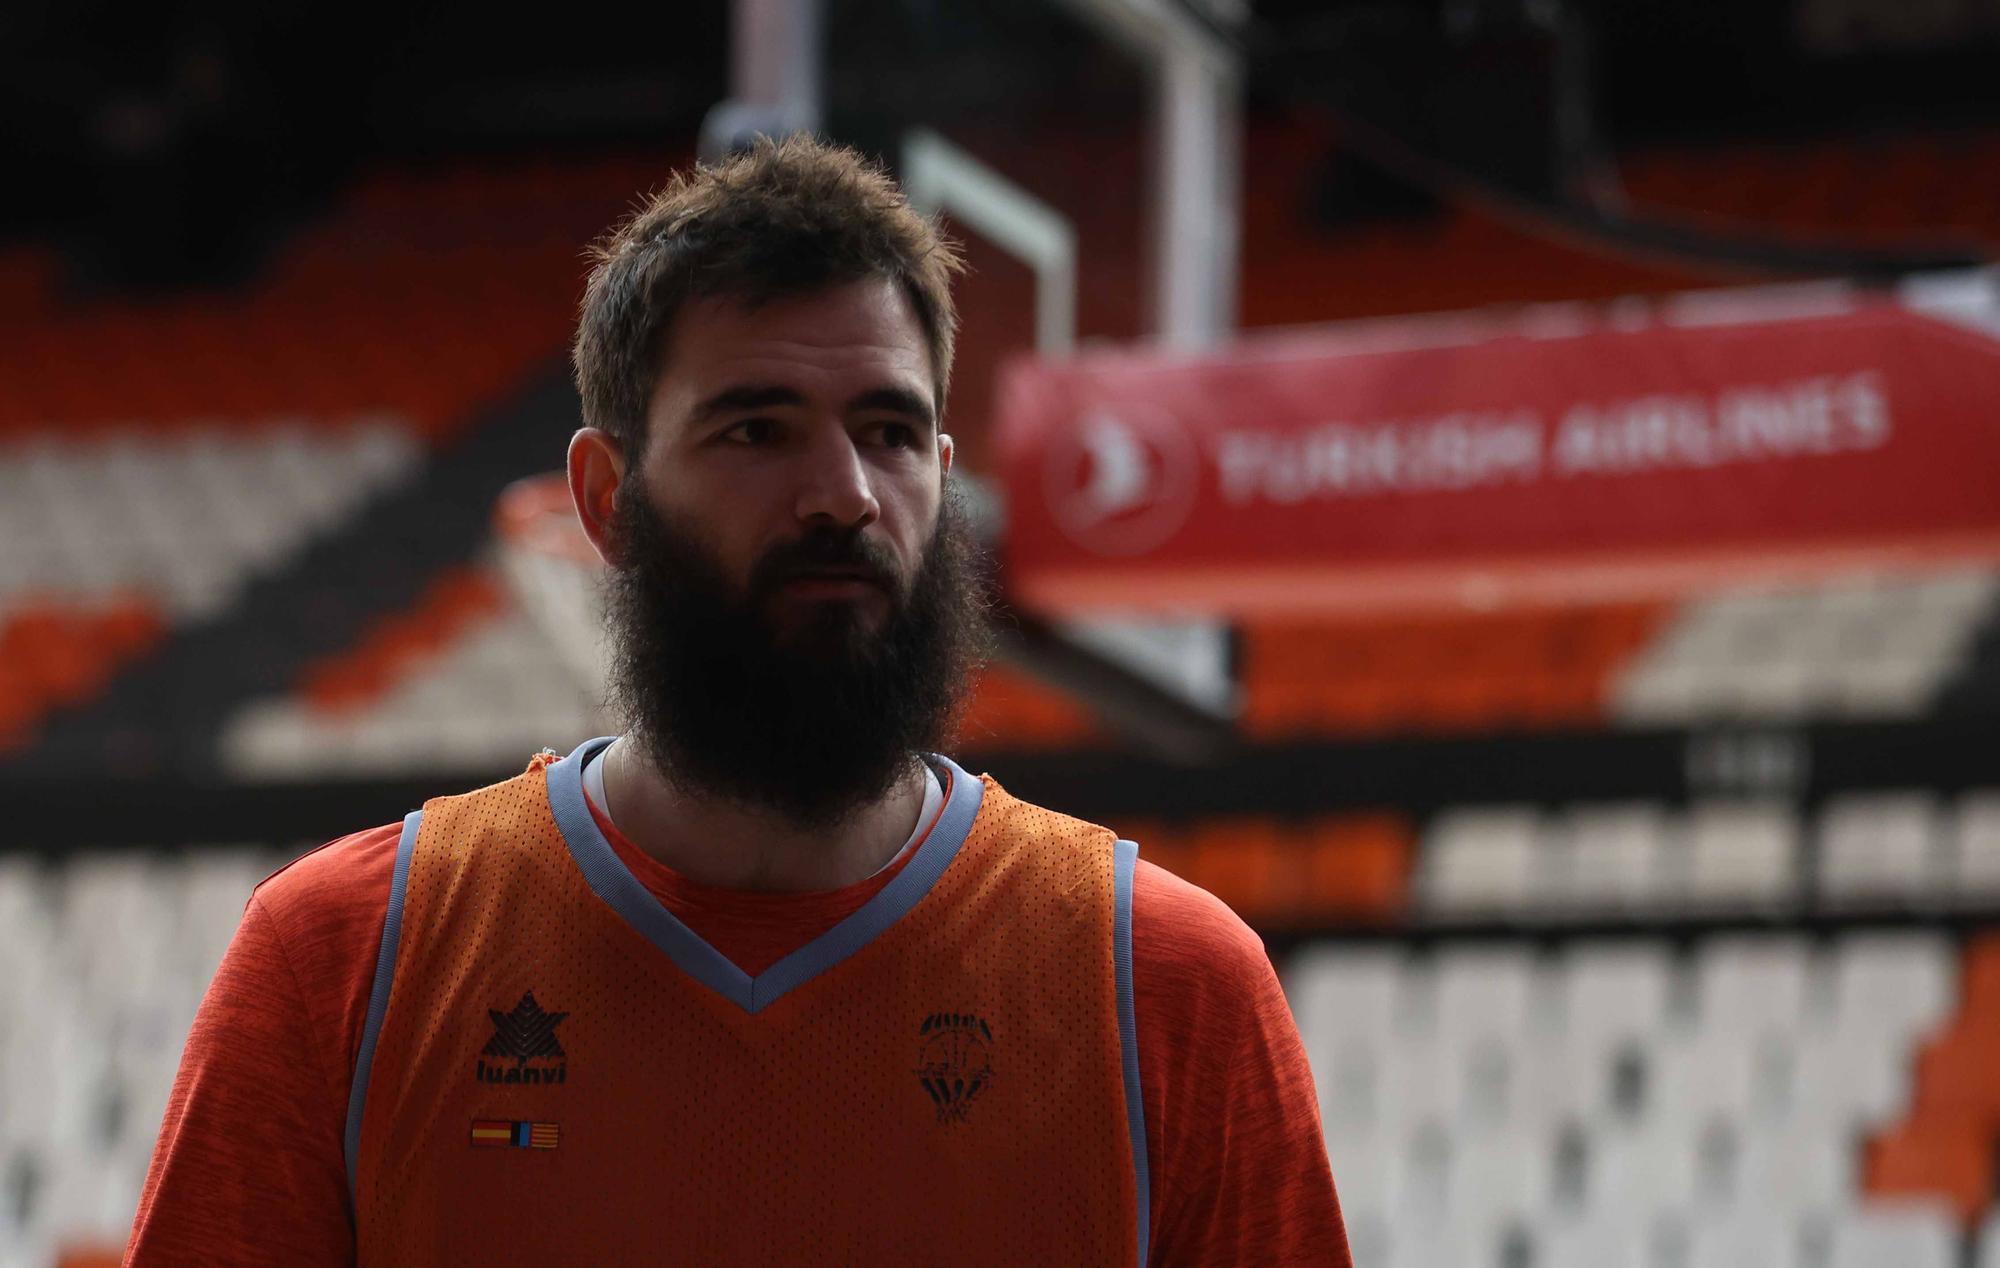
<point x="1125" y="861"/>
<point x="378" y="997"/>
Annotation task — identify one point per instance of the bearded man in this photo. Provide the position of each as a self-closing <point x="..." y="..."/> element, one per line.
<point x="765" y="979"/>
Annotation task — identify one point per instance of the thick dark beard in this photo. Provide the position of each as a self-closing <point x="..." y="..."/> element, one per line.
<point x="809" y="722"/>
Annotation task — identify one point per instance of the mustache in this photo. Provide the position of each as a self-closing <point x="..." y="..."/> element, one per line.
<point x="822" y="550"/>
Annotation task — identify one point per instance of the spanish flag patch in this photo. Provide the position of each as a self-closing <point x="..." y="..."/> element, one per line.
<point x="498" y="1133"/>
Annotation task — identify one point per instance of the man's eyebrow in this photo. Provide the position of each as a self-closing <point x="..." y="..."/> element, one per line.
<point x="746" y="397"/>
<point x="895" y="400"/>
<point x="736" y="400"/>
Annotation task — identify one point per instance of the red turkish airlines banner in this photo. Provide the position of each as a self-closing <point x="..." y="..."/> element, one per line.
<point x="1556" y="457"/>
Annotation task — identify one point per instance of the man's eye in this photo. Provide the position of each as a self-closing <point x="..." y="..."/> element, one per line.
<point x="899" y="435"/>
<point x="753" y="431"/>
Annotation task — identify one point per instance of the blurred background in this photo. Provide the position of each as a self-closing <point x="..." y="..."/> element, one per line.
<point x="1506" y="493"/>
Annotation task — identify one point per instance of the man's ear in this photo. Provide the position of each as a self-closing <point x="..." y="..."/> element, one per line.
<point x="944" y="453"/>
<point x="596" y="472"/>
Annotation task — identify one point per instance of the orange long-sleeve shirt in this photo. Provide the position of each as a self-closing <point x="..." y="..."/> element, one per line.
<point x="250" y="1169"/>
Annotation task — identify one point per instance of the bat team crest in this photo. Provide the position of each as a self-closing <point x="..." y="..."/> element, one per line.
<point x="954" y="1062"/>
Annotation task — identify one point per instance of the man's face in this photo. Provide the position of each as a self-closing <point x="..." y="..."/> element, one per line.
<point x="807" y="416"/>
<point x="794" y="612"/>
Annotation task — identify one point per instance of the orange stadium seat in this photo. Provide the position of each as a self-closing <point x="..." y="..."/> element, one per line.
<point x="1943" y="1157"/>
<point x="1358" y="866"/>
<point x="1352" y="705"/>
<point x="1161" y="845"/>
<point x="1982" y="978"/>
<point x="454" y="603"/>
<point x="1447" y="672"/>
<point x="1945" y="1147"/>
<point x="1007" y="709"/>
<point x="1885" y="190"/>
<point x="1339" y="868"/>
<point x="1957" y="1075"/>
<point x="1455" y="701"/>
<point x="55" y="653"/>
<point x="425" y="305"/>
<point x="1254" y="865"/>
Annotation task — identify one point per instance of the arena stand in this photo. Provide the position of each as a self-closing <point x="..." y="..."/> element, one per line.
<point x="1640" y="932"/>
<point x="166" y="466"/>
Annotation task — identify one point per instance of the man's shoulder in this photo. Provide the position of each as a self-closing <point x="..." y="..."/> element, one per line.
<point x="1175" y="923"/>
<point x="1186" y="934"/>
<point x="346" y="878"/>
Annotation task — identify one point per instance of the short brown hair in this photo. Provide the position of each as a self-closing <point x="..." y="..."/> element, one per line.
<point x="781" y="219"/>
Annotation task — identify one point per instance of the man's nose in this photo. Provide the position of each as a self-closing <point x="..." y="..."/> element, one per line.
<point x="834" y="484"/>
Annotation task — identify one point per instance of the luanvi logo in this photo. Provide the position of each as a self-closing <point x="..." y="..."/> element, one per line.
<point x="528" y="1034"/>
<point x="955" y="1062"/>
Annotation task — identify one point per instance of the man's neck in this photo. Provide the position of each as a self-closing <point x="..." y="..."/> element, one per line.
<point x="728" y="846"/>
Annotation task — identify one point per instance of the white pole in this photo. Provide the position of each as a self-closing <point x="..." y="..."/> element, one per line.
<point x="938" y="176"/>
<point x="774" y="58"/>
<point x="1197" y="121"/>
<point x="774" y="74"/>
<point x="1196" y="192"/>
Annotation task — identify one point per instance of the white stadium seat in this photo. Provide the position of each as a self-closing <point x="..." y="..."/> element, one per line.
<point x="1575" y="1101"/>
<point x="1704" y="1077"/>
<point x="1879" y="846"/>
<point x="1903" y="1234"/>
<point x="1751" y="1236"/>
<point x="1483" y="991"/>
<point x="1741" y="855"/>
<point x="1989" y="1242"/>
<point x="1610" y="991"/>
<point x="1752" y="984"/>
<point x="25" y="927"/>
<point x="1339" y="990"/>
<point x="1896" y="986"/>
<point x="1885" y="992"/>
<point x="1596" y="1083"/>
<point x="1852" y="1081"/>
<point x="1419" y="1084"/>
<point x="216" y="887"/>
<point x="1976" y="843"/>
<point x="188" y="516"/>
<point x="1795" y="1168"/>
<point x="462" y="710"/>
<point x="1368" y="1172"/>
<point x="1634" y="1171"/>
<point x="1368" y="1233"/>
<point x="1966" y="593"/>
<point x="1609" y="858"/>
<point x="90" y="1042"/>
<point x="1499" y="1177"/>
<point x="1599" y="1242"/>
<point x="1438" y="1242"/>
<point x="1657" y="690"/>
<point x="1347" y="1002"/>
<point x="1892" y="687"/>
<point x="1871" y="646"/>
<point x="1481" y="861"/>
<point x="1783" y="686"/>
<point x="1482" y="1004"/>
<point x="1419" y="1161"/>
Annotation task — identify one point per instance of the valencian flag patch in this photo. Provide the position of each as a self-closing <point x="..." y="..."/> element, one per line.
<point x="499" y="1133"/>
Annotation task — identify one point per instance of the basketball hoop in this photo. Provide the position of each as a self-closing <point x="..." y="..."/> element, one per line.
<point x="553" y="573"/>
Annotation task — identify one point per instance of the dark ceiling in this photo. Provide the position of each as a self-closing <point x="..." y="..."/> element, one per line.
<point x="225" y="121"/>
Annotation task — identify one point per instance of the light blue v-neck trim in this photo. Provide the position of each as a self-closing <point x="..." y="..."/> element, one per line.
<point x="612" y="881"/>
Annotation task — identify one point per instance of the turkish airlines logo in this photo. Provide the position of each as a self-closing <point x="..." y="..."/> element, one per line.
<point x="1122" y="480"/>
